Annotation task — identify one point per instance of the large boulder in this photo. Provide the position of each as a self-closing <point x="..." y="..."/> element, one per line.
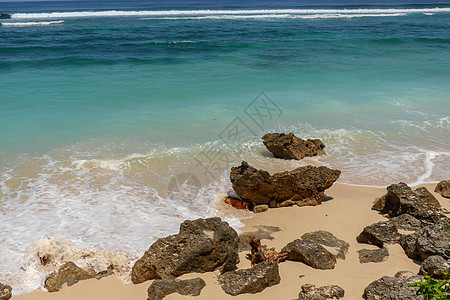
<point x="311" y="292"/>
<point x="435" y="266"/>
<point x="250" y="281"/>
<point x="202" y="245"/>
<point x="401" y="199"/>
<point x="160" y="288"/>
<point x="302" y="186"/>
<point x="379" y="233"/>
<point x="69" y="274"/>
<point x="327" y="239"/>
<point x="310" y="253"/>
<point x="428" y="241"/>
<point x="443" y="188"/>
<point x="373" y="255"/>
<point x="5" y="292"/>
<point x="393" y="288"/>
<point x="289" y="146"/>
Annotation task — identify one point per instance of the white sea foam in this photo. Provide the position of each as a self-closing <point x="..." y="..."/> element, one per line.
<point x="112" y="13"/>
<point x="277" y="16"/>
<point x="26" y="24"/>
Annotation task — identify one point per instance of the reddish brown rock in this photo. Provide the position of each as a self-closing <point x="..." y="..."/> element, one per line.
<point x="289" y="146"/>
<point x="302" y="186"/>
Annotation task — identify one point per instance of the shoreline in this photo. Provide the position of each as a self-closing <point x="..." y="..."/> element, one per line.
<point x="345" y="215"/>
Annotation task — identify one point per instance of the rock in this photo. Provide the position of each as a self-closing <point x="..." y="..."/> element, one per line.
<point x="401" y="199"/>
<point x="303" y="186"/>
<point x="435" y="266"/>
<point x="443" y="188"/>
<point x="105" y="273"/>
<point x="406" y="222"/>
<point x="326" y="238"/>
<point x="202" y="245"/>
<point x="425" y="194"/>
<point x="250" y="281"/>
<point x="5" y="292"/>
<point x="310" y="292"/>
<point x="262" y="232"/>
<point x="68" y="273"/>
<point x="375" y="256"/>
<point x="260" y="208"/>
<point x="310" y="253"/>
<point x="404" y="274"/>
<point x="428" y="241"/>
<point x="392" y="288"/>
<point x="379" y="233"/>
<point x="289" y="146"/>
<point x="160" y="288"/>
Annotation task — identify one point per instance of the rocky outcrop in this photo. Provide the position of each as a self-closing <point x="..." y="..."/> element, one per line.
<point x="375" y="255"/>
<point x="379" y="234"/>
<point x="311" y="292"/>
<point x="310" y="253"/>
<point x="5" y="292"/>
<point x="435" y="266"/>
<point x="428" y="241"/>
<point x="288" y="146"/>
<point x="202" y="245"/>
<point x="302" y="186"/>
<point x="326" y="238"/>
<point x="443" y="188"/>
<point x="69" y="274"/>
<point x="401" y="199"/>
<point x="406" y="222"/>
<point x="393" y="288"/>
<point x="250" y="281"/>
<point x="160" y="288"/>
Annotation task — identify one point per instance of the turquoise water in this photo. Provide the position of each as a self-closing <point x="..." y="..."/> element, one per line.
<point x="108" y="112"/>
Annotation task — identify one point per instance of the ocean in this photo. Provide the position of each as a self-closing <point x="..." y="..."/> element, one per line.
<point x="121" y="119"/>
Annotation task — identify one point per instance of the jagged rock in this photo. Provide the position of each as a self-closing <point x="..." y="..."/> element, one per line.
<point x="392" y="288"/>
<point x="425" y="194"/>
<point x="435" y="266"/>
<point x="262" y="232"/>
<point x="250" y="281"/>
<point x="379" y="233"/>
<point x="326" y="238"/>
<point x="68" y="273"/>
<point x="303" y="186"/>
<point x="160" y="288"/>
<point x="5" y="292"/>
<point x="443" y="188"/>
<point x="289" y="146"/>
<point x="310" y="253"/>
<point x="202" y="245"/>
<point x="428" y="241"/>
<point x="310" y="292"/>
<point x="401" y="199"/>
<point x="375" y="256"/>
<point x="105" y="273"/>
<point x="260" y="208"/>
<point x="406" y="222"/>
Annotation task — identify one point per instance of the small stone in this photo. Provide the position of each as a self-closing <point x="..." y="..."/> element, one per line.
<point x="288" y="146"/>
<point x="310" y="253"/>
<point x="69" y="274"/>
<point x="443" y="188"/>
<point x="310" y="292"/>
<point x="160" y="288"/>
<point x="5" y="292"/>
<point x="326" y="238"/>
<point x="375" y="256"/>
<point x="379" y="233"/>
<point x="260" y="208"/>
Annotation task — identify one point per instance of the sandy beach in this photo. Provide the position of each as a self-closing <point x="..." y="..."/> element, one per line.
<point x="345" y="215"/>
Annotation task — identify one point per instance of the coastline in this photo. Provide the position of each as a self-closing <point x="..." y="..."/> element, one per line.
<point x="345" y="215"/>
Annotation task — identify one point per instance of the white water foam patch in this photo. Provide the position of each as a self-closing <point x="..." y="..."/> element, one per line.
<point x="278" y="16"/>
<point x="27" y="24"/>
<point x="115" y="13"/>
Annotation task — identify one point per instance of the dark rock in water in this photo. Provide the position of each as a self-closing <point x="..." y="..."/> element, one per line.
<point x="326" y="238"/>
<point x="250" y="281"/>
<point x="310" y="253"/>
<point x="406" y="222"/>
<point x="203" y="245"/>
<point x="5" y="292"/>
<point x="393" y="288"/>
<point x="379" y="233"/>
<point x="262" y="232"/>
<point x="303" y="186"/>
<point x="443" y="188"/>
<point x="401" y="199"/>
<point x="435" y="266"/>
<point x="425" y="194"/>
<point x="311" y="292"/>
<point x="375" y="256"/>
<point x="5" y="16"/>
<point x="289" y="146"/>
<point x="69" y="274"/>
<point x="428" y="241"/>
<point x="160" y="288"/>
